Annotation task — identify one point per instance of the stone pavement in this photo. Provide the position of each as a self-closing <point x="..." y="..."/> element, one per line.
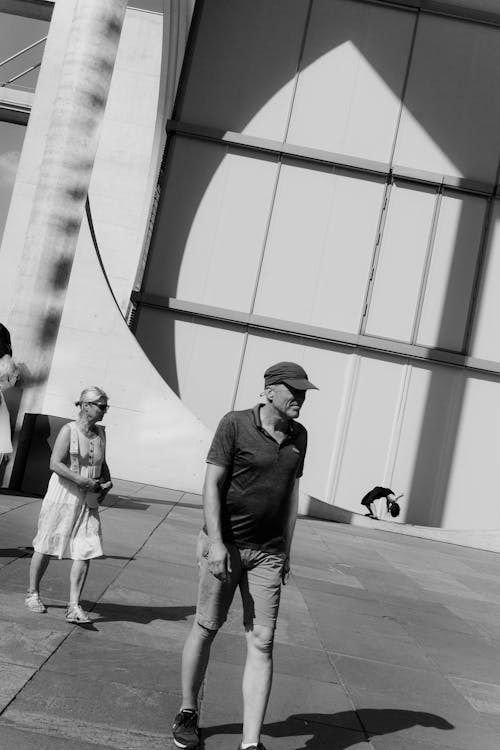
<point x="384" y="641"/>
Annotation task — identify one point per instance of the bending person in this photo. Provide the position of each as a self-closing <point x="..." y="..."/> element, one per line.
<point x="69" y="515"/>
<point x="373" y="502"/>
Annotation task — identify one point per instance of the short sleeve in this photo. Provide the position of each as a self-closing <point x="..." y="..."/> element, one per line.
<point x="222" y="449"/>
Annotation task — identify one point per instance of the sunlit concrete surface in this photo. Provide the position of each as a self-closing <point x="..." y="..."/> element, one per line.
<point x="384" y="641"/>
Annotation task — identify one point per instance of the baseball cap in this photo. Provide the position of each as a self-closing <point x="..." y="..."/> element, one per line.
<point x="289" y="373"/>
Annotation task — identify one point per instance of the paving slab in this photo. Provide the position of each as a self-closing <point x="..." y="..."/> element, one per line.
<point x="135" y="666"/>
<point x="12" y="738"/>
<point x="288" y="659"/>
<point x="59" y="697"/>
<point x="289" y="698"/>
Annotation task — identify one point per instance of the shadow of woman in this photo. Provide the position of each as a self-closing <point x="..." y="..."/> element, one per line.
<point x="111" y="612"/>
<point x="340" y="730"/>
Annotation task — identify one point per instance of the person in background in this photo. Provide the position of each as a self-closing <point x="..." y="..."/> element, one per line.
<point x="373" y="501"/>
<point x="250" y="500"/>
<point x="9" y="374"/>
<point x="69" y="515"/>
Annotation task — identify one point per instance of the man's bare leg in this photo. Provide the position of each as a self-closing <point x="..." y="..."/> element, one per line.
<point x="194" y="663"/>
<point x="257" y="680"/>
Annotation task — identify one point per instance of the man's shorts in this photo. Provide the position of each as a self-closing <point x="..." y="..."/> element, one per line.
<point x="258" y="575"/>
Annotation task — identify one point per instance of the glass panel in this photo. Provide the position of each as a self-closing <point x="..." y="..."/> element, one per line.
<point x="211" y="225"/>
<point x="472" y="501"/>
<point x="398" y="275"/>
<point x="423" y="448"/>
<point x="318" y="254"/>
<point x="485" y="342"/>
<point x="451" y="115"/>
<point x="11" y="143"/>
<point x="352" y="75"/>
<point x="365" y="452"/>
<point x="16" y="33"/>
<point x="243" y="70"/>
<point x="451" y="272"/>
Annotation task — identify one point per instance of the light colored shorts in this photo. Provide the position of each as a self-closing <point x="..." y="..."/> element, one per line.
<point x="258" y="576"/>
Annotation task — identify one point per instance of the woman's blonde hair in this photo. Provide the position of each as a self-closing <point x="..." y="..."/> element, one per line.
<point x="90" y="394"/>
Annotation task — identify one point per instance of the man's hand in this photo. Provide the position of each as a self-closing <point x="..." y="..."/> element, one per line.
<point x="219" y="563"/>
<point x="285" y="571"/>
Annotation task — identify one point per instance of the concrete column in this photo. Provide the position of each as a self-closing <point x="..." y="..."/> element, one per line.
<point x="61" y="190"/>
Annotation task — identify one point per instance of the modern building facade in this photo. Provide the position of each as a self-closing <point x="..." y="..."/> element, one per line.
<point x="328" y="194"/>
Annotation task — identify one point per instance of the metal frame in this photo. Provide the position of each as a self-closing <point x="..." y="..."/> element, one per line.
<point x="320" y="157"/>
<point x="355" y="342"/>
<point x="437" y="8"/>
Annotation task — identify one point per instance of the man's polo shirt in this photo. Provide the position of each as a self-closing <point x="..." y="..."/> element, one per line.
<point x="261" y="476"/>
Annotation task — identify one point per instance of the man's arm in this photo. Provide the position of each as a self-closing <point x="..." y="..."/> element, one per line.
<point x="218" y="556"/>
<point x="290" y="527"/>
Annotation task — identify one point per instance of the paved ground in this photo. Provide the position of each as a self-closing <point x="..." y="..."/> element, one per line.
<point x="384" y="642"/>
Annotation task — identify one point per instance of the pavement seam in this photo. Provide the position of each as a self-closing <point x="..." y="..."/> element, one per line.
<point x="315" y="533"/>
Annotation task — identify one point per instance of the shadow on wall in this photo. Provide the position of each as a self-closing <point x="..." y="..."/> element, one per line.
<point x="242" y="89"/>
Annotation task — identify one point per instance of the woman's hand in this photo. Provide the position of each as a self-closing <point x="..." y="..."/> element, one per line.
<point x="88" y="484"/>
<point x="105" y="488"/>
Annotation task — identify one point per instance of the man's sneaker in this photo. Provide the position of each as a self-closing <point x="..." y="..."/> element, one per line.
<point x="259" y="746"/>
<point x="34" y="603"/>
<point x="185" y="729"/>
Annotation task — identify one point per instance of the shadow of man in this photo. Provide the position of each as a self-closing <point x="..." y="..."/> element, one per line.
<point x="340" y="730"/>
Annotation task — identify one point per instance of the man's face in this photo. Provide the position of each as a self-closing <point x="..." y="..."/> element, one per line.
<point x="286" y="399"/>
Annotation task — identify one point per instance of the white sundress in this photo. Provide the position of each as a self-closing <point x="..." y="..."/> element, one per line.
<point x="65" y="518"/>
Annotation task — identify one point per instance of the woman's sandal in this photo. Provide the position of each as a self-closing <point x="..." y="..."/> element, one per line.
<point x="75" y="614"/>
<point x="34" y="603"/>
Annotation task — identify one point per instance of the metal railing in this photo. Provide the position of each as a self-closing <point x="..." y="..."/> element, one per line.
<point x="18" y="54"/>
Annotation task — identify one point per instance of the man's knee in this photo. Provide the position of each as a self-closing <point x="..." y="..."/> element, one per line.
<point x="204" y="633"/>
<point x="260" y="638"/>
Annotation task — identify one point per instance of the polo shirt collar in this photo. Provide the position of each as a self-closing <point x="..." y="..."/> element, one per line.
<point x="292" y="427"/>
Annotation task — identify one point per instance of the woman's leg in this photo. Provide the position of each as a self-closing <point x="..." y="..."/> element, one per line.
<point x="38" y="566"/>
<point x="77" y="578"/>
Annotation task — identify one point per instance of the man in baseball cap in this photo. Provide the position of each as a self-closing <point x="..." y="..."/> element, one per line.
<point x="250" y="500"/>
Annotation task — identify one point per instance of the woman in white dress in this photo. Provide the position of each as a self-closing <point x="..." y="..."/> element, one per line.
<point x="69" y="516"/>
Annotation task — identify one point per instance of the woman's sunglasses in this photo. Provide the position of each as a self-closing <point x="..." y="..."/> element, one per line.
<point x="103" y="407"/>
